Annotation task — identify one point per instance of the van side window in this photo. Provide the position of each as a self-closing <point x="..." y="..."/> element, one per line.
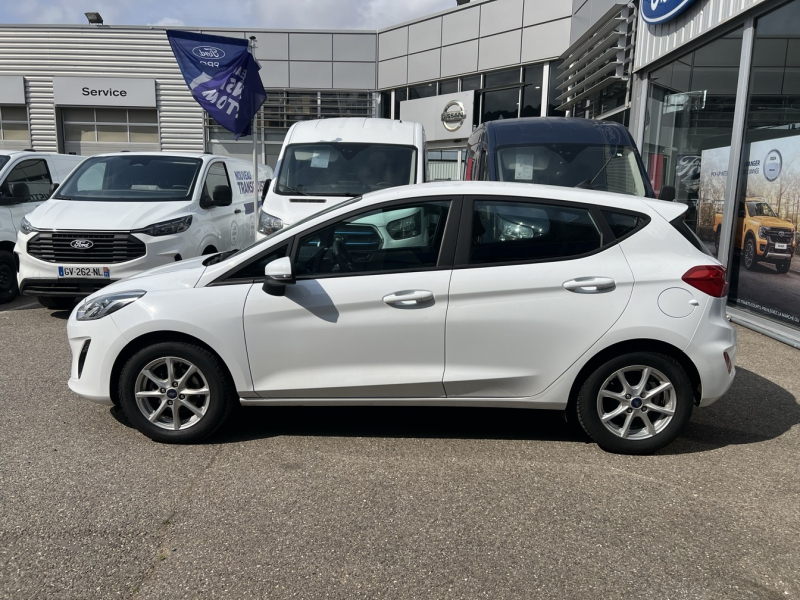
<point x="28" y="181"/>
<point x="217" y="175"/>
<point x="504" y="232"/>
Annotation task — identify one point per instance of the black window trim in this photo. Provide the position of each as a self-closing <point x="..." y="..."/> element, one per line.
<point x="607" y="238"/>
<point x="46" y="168"/>
<point x="228" y="278"/>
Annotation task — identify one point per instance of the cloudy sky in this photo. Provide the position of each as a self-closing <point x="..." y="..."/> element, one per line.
<point x="261" y="14"/>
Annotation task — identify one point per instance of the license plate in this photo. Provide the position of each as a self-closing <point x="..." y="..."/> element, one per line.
<point x="780" y="246"/>
<point x="89" y="272"/>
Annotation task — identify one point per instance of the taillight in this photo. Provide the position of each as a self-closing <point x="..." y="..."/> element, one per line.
<point x="709" y="279"/>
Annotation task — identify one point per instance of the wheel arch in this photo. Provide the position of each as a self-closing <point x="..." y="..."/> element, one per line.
<point x="639" y="345"/>
<point x="148" y="339"/>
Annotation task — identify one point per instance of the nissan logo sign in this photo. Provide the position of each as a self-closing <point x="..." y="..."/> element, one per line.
<point x="453" y="115"/>
<point x="208" y="52"/>
<point x="81" y="244"/>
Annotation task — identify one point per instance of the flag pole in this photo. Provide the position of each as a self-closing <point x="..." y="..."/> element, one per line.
<point x="254" y="133"/>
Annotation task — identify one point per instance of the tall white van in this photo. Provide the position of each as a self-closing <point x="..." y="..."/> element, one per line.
<point x="120" y="214"/>
<point x="27" y="179"/>
<point x="327" y="161"/>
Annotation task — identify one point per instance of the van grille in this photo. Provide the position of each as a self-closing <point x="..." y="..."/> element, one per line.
<point x="107" y="248"/>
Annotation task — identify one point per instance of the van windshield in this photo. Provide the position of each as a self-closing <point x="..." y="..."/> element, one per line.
<point x="344" y="169"/>
<point x="134" y="178"/>
<point x="597" y="167"/>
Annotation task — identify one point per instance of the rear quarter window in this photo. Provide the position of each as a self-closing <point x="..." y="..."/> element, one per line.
<point x="690" y="235"/>
<point x="624" y="224"/>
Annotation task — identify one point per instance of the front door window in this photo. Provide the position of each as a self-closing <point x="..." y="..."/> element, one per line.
<point x="29" y="181"/>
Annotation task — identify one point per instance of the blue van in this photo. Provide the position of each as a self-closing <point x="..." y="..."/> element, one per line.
<point x="562" y="151"/>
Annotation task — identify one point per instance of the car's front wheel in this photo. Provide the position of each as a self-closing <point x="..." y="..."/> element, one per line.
<point x="750" y="254"/>
<point x="176" y="392"/>
<point x="636" y="403"/>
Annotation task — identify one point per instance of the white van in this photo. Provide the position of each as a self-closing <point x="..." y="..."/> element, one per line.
<point x="27" y="179"/>
<point x="120" y="214"/>
<point x="325" y="162"/>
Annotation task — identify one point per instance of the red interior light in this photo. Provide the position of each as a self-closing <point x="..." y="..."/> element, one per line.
<point x="709" y="279"/>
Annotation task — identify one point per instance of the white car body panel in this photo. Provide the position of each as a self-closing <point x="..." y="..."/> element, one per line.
<point x="333" y="340"/>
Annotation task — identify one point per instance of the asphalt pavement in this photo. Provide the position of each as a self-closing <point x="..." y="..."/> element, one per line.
<point x="391" y="502"/>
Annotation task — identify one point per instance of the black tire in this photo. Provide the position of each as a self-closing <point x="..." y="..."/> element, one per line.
<point x="749" y="257"/>
<point x="217" y="404"/>
<point x="8" y="277"/>
<point x="56" y="302"/>
<point x="665" y="427"/>
<point x="783" y="266"/>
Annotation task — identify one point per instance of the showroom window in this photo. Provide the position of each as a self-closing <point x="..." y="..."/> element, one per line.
<point x="505" y="232"/>
<point x="118" y="125"/>
<point x="14" y="123"/>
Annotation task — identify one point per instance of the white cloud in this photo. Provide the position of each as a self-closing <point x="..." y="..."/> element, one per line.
<point x="168" y="22"/>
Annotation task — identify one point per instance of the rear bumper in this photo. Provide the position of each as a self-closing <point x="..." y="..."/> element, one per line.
<point x="713" y="338"/>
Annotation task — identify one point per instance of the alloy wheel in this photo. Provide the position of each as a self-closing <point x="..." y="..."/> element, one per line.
<point x="749" y="254"/>
<point x="636" y="402"/>
<point x="172" y="393"/>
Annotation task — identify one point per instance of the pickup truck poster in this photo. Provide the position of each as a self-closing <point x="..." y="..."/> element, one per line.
<point x="766" y="275"/>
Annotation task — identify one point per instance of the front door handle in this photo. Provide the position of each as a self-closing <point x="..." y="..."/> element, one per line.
<point x="237" y="211"/>
<point x="408" y="297"/>
<point x="590" y="285"/>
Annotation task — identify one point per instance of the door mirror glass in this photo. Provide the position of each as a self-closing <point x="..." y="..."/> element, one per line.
<point x="277" y="275"/>
<point x="265" y="188"/>
<point x="223" y="196"/>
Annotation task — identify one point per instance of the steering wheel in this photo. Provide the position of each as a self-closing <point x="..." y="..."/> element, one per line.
<point x="342" y="256"/>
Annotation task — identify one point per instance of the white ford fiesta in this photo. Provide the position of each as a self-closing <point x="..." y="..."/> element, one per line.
<point x="448" y="294"/>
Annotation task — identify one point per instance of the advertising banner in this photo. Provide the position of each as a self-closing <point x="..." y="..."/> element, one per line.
<point x="222" y="75"/>
<point x="767" y="273"/>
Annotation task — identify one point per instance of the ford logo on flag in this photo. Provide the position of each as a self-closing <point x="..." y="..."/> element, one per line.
<point x="82" y="244"/>
<point x="208" y="52"/>
<point x="661" y="11"/>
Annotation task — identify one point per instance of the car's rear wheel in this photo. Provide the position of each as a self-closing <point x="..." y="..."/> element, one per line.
<point x="750" y="254"/>
<point x="8" y="277"/>
<point x="783" y="266"/>
<point x="176" y="392"/>
<point x="636" y="403"/>
<point x="56" y="302"/>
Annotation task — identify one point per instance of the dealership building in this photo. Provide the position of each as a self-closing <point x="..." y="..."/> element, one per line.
<point x="706" y="87"/>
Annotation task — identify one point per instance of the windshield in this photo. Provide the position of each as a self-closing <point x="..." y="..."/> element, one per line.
<point x="341" y="169"/>
<point x="598" y="167"/>
<point x="134" y="178"/>
<point x="760" y="209"/>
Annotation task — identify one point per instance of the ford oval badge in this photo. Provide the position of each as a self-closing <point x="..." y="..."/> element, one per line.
<point x="661" y="11"/>
<point x="208" y="52"/>
<point x="81" y="244"/>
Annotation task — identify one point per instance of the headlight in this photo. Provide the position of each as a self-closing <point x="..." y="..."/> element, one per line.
<point x="267" y="224"/>
<point x="762" y="232"/>
<point x="26" y="226"/>
<point x="407" y="227"/>
<point x="166" y="227"/>
<point x="102" y="306"/>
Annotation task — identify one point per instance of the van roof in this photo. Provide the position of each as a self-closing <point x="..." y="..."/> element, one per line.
<point x="353" y="129"/>
<point x="563" y="130"/>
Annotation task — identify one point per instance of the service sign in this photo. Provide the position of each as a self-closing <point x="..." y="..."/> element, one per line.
<point x="446" y="117"/>
<point x="104" y="91"/>
<point x="661" y="11"/>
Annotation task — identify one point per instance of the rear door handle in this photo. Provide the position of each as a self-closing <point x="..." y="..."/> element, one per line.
<point x="590" y="285"/>
<point x="408" y="297"/>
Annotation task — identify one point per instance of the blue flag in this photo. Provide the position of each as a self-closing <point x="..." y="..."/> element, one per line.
<point x="222" y="75"/>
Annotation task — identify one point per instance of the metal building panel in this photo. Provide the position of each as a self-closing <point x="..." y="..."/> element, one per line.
<point x="271" y="46"/>
<point x="392" y="73"/>
<point x="537" y="11"/>
<point x="354" y="76"/>
<point x="392" y="44"/>
<point x="581" y="22"/>
<point x="461" y="25"/>
<point x="311" y="75"/>
<point x="274" y="73"/>
<point x="12" y="89"/>
<point x="310" y="46"/>
<point x="425" y="35"/>
<point x="460" y="58"/>
<point x="544" y="41"/>
<point x="497" y="17"/>
<point x="500" y="50"/>
<point x="424" y="65"/>
<point x="354" y="47"/>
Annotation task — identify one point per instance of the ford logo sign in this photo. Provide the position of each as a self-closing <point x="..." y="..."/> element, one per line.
<point x="208" y="52"/>
<point x="661" y="11"/>
<point x="81" y="244"/>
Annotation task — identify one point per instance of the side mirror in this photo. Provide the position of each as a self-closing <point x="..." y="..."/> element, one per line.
<point x="222" y="196"/>
<point x="277" y="275"/>
<point x="667" y="193"/>
<point x="265" y="188"/>
<point x="53" y="188"/>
